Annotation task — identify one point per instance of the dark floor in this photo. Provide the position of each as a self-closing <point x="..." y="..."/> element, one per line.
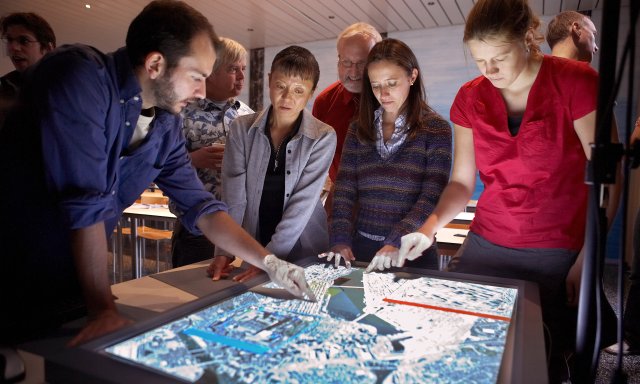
<point x="608" y="362"/>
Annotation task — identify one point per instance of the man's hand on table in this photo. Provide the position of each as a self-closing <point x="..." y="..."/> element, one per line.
<point x="220" y="267"/>
<point x="102" y="323"/>
<point x="249" y="274"/>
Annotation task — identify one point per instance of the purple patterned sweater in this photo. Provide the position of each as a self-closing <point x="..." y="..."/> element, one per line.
<point x="392" y="197"/>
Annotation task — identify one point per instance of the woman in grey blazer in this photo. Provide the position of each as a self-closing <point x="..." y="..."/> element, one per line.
<point x="275" y="165"/>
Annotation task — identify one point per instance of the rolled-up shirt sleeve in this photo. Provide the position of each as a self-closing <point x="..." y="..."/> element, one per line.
<point x="179" y="181"/>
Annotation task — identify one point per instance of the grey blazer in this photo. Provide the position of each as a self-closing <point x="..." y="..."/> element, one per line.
<point x="302" y="232"/>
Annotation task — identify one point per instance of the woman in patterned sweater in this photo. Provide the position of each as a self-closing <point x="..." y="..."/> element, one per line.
<point x="395" y="161"/>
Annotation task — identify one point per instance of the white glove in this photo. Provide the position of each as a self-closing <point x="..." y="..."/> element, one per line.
<point x="412" y="246"/>
<point x="381" y="261"/>
<point x="288" y="276"/>
<point x="330" y="255"/>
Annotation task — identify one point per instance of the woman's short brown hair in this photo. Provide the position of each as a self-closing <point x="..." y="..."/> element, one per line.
<point x="297" y="61"/>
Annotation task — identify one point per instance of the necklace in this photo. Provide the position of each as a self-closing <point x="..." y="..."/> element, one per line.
<point x="276" y="151"/>
<point x="291" y="132"/>
<point x="275" y="161"/>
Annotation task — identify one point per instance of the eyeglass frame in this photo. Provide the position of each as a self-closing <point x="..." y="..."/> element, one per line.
<point x="359" y="65"/>
<point x="22" y="40"/>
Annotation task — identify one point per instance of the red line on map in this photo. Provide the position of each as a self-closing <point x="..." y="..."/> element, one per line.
<point x="486" y="315"/>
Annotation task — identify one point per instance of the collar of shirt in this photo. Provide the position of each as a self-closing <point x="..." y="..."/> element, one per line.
<point x="308" y="126"/>
<point x="398" y="136"/>
<point x="128" y="83"/>
<point x="129" y="91"/>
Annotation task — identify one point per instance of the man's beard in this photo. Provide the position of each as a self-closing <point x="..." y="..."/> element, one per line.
<point x="164" y="93"/>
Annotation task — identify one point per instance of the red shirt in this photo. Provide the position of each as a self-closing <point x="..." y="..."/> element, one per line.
<point x="535" y="195"/>
<point x="336" y="106"/>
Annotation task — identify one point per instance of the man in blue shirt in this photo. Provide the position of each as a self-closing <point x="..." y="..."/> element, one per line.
<point x="90" y="132"/>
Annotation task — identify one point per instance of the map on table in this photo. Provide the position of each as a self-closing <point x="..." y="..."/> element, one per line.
<point x="364" y="328"/>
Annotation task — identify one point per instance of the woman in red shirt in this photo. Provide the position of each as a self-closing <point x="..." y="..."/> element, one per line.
<point x="525" y="125"/>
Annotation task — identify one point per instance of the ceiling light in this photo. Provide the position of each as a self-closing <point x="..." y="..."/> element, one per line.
<point x="88" y="6"/>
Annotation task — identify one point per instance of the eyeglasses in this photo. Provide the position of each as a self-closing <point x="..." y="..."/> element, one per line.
<point x="349" y="64"/>
<point x="22" y="40"/>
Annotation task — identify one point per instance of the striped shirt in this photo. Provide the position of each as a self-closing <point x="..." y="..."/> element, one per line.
<point x="393" y="196"/>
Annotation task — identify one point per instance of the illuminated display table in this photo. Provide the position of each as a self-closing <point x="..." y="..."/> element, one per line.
<point x="365" y="328"/>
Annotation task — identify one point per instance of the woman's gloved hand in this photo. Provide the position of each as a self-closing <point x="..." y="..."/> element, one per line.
<point x="411" y="247"/>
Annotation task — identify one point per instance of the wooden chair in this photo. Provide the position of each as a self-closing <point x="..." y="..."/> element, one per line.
<point x="155" y="197"/>
<point x="143" y="233"/>
<point x="155" y="234"/>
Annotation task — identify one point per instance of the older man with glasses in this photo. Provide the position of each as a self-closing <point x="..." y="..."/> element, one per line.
<point x="26" y="37"/>
<point x="338" y="103"/>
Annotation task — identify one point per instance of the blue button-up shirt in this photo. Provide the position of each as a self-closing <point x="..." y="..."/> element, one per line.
<point x="92" y="127"/>
<point x="64" y="165"/>
<point x="64" y="158"/>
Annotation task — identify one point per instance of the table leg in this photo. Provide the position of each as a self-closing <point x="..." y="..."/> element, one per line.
<point x="136" y="265"/>
<point x="117" y="254"/>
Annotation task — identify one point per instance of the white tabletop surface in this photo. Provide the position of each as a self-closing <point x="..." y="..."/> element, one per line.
<point x="150" y="210"/>
<point x="465" y="216"/>
<point x="451" y="235"/>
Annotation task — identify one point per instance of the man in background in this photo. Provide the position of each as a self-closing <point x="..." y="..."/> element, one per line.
<point x="206" y="125"/>
<point x="27" y="37"/>
<point x="338" y="103"/>
<point x="572" y="35"/>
